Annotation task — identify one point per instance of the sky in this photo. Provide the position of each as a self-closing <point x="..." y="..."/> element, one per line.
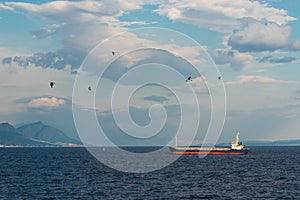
<point x="253" y="45"/>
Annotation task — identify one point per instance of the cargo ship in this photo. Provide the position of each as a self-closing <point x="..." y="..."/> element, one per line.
<point x="236" y="148"/>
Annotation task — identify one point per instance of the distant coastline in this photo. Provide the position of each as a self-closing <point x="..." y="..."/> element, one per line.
<point x="251" y="143"/>
<point x="40" y="135"/>
<point x="34" y="135"/>
<point x="295" y="142"/>
<point x="283" y="143"/>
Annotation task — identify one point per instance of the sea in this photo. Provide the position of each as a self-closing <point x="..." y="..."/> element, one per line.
<point x="73" y="173"/>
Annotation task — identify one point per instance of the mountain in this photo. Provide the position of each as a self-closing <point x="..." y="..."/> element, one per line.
<point x="10" y="136"/>
<point x="35" y="134"/>
<point x="42" y="132"/>
<point x="7" y="127"/>
<point x="249" y="143"/>
<point x="287" y="142"/>
<point x="295" y="142"/>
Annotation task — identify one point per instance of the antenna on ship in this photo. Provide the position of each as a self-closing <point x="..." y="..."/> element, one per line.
<point x="237" y="137"/>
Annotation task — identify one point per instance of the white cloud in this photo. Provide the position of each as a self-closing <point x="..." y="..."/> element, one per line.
<point x="274" y="60"/>
<point x="199" y="84"/>
<point x="266" y="27"/>
<point x="235" y="59"/>
<point x="63" y="9"/>
<point x="255" y="26"/>
<point x="262" y="36"/>
<point x="81" y="25"/>
<point x="43" y="33"/>
<point x="221" y="15"/>
<point x="48" y="102"/>
<point x="258" y="79"/>
<point x="21" y="83"/>
<point x="95" y="21"/>
<point x="5" y="7"/>
<point x="296" y="45"/>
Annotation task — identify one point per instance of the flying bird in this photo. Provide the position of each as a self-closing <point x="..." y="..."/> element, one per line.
<point x="52" y="84"/>
<point x="89" y="88"/>
<point x="189" y="79"/>
<point x="113" y="53"/>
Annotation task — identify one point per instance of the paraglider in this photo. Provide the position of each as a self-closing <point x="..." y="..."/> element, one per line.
<point x="189" y="79"/>
<point x="51" y="84"/>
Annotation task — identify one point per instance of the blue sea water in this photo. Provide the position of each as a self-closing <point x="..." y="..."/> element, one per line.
<point x="72" y="173"/>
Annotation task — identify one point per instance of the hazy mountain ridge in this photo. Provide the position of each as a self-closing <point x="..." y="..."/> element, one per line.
<point x="295" y="142"/>
<point x="9" y="136"/>
<point x="39" y="131"/>
<point x="39" y="134"/>
<point x="7" y="127"/>
<point x="35" y="134"/>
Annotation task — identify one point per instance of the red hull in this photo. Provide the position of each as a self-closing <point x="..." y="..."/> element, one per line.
<point x="214" y="153"/>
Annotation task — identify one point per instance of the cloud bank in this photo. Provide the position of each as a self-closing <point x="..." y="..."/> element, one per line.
<point x="222" y="16"/>
<point x="271" y="59"/>
<point x="248" y="27"/>
<point x="160" y="99"/>
<point x="234" y="58"/>
<point x="262" y="36"/>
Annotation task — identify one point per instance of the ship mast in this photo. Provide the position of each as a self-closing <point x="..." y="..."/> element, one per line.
<point x="237" y="138"/>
